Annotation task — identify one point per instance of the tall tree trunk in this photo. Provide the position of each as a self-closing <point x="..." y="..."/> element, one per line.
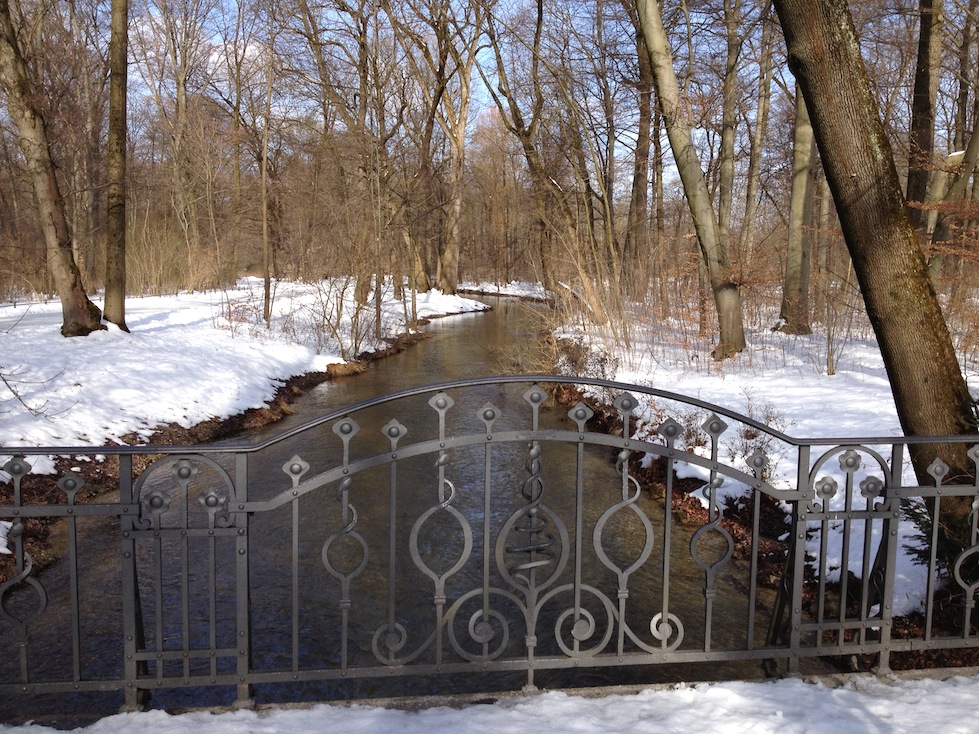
<point x="731" y="91"/>
<point x="727" y="296"/>
<point x="922" y="134"/>
<point x="965" y="75"/>
<point x="79" y="315"/>
<point x="635" y="248"/>
<point x="795" y="291"/>
<point x="659" y="203"/>
<point x="115" y="221"/>
<point x="751" y="198"/>
<point x="930" y="393"/>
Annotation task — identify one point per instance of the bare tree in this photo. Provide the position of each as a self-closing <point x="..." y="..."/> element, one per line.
<point x="115" y="223"/>
<point x="441" y="40"/>
<point x="174" y="49"/>
<point x="727" y="296"/>
<point x="79" y="315"/>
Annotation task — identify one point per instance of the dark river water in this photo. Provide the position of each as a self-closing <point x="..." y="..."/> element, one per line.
<point x="507" y="338"/>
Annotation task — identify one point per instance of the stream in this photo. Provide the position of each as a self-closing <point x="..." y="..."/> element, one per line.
<point x="458" y="347"/>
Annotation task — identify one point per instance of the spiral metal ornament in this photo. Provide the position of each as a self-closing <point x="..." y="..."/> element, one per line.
<point x="533" y="524"/>
<point x="583" y="627"/>
<point x="345" y="533"/>
<point x="25" y="565"/>
<point x="487" y="627"/>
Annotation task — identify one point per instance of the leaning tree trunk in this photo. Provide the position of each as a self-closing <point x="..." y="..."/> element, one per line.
<point x="727" y="296"/>
<point x="635" y="247"/>
<point x="930" y="393"/>
<point x="79" y="315"/>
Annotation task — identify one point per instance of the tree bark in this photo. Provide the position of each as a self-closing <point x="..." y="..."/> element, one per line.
<point x="635" y="248"/>
<point x="79" y="315"/>
<point x="930" y="393"/>
<point x="115" y="222"/>
<point x="965" y="75"/>
<point x="731" y="93"/>
<point x="751" y="198"/>
<point x="727" y="296"/>
<point x="922" y="135"/>
<point x="795" y="290"/>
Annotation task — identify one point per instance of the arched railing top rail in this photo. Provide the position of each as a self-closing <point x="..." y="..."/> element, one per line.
<point x="467" y="550"/>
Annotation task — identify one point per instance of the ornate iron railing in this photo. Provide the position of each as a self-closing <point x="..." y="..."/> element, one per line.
<point x="476" y="530"/>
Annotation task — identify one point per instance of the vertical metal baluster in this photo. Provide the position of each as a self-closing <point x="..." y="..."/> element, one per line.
<point x="579" y="503"/>
<point x="932" y="564"/>
<point x="295" y="469"/>
<point x="669" y="430"/>
<point x="623" y="592"/>
<point x="798" y="576"/>
<point x="345" y="430"/>
<point x="440" y="598"/>
<point x="823" y="551"/>
<point x="212" y="605"/>
<point x="970" y="601"/>
<point x="345" y="590"/>
<point x="487" y="533"/>
<point x="889" y="537"/>
<point x="487" y="414"/>
<point x="17" y="467"/>
<point x="295" y="585"/>
<point x="441" y="404"/>
<point x="625" y="403"/>
<point x="393" y="554"/>
<point x="184" y="471"/>
<point x="667" y="537"/>
<point x="580" y="414"/>
<point x="185" y="578"/>
<point x="753" y="567"/>
<point x="394" y="431"/>
<point x="158" y="596"/>
<point x="845" y="559"/>
<point x="866" y="572"/>
<point x="134" y="637"/>
<point x="243" y="585"/>
<point x="70" y="484"/>
<point x="714" y="427"/>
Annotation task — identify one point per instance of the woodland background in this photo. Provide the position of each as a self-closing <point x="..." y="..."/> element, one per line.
<point x="445" y="140"/>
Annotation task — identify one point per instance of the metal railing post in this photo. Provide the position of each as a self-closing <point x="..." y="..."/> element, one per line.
<point x="132" y="614"/>
<point x="244" y="698"/>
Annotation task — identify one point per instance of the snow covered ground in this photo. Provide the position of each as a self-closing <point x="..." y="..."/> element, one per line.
<point x="860" y="706"/>
<point x="195" y="356"/>
<point x="188" y="358"/>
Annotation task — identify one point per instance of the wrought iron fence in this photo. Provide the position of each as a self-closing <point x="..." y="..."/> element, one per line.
<point x="475" y="529"/>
